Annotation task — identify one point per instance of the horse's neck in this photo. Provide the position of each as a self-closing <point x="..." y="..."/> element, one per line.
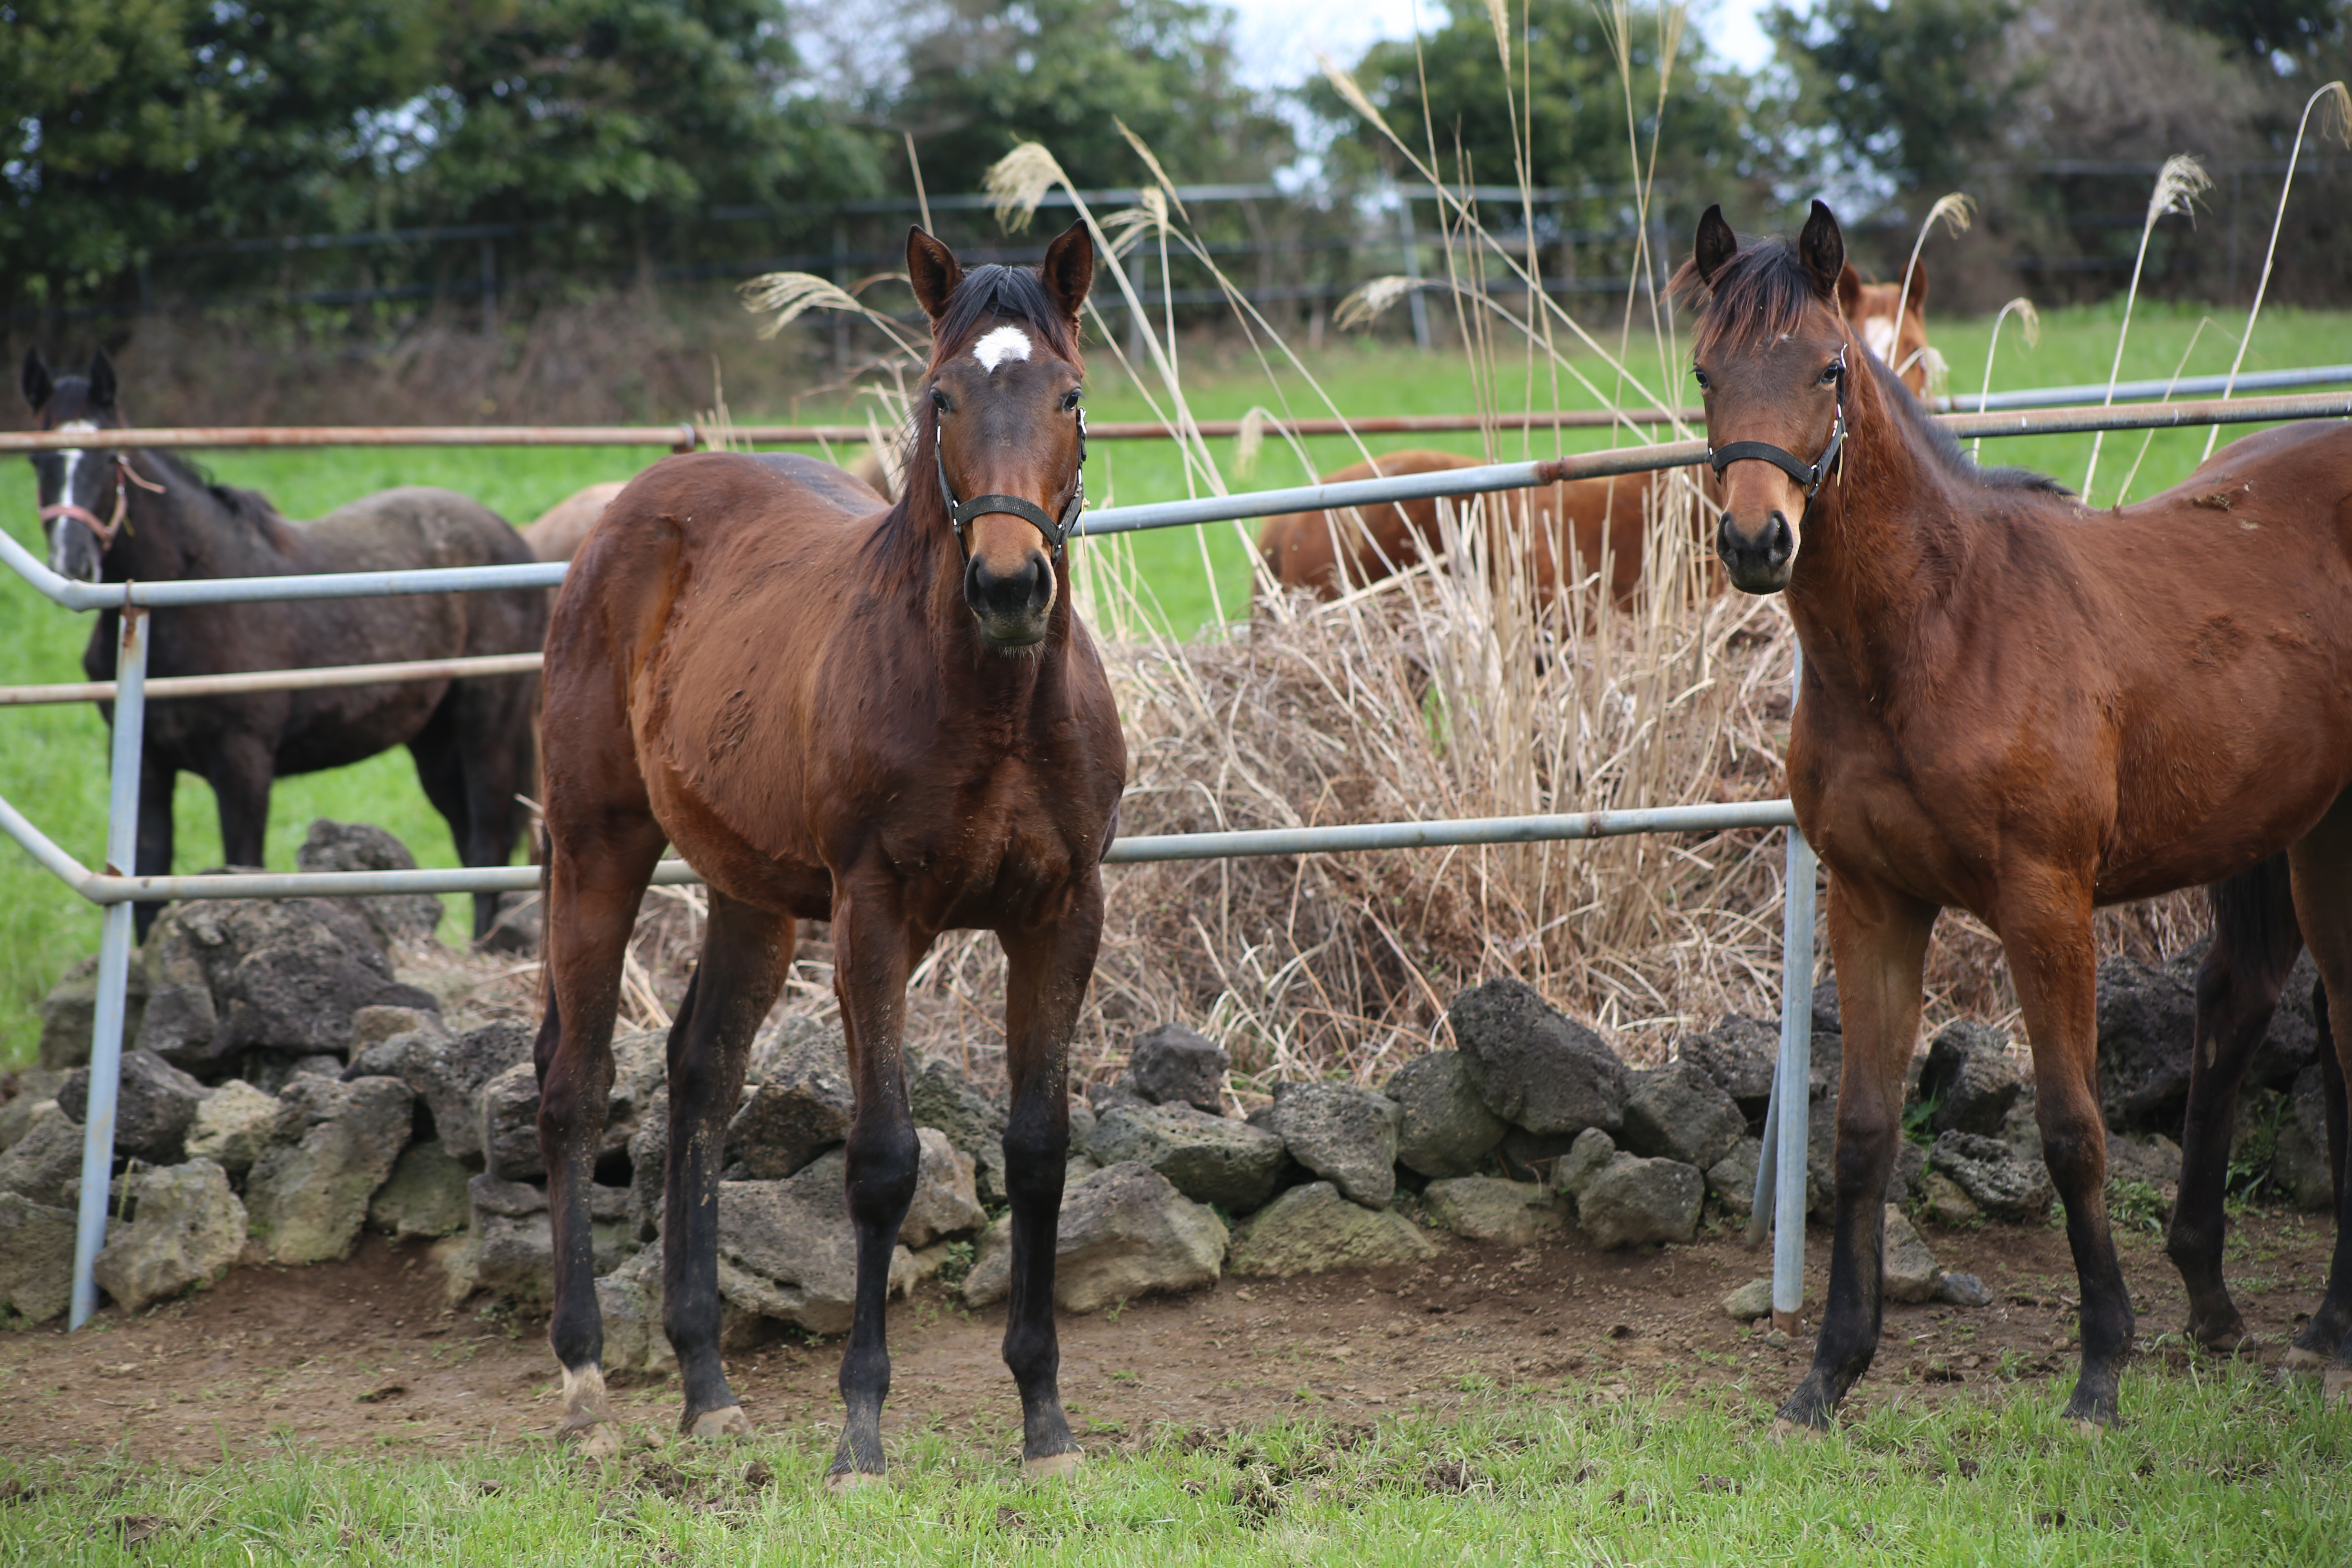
<point x="1884" y="539"/>
<point x="187" y="532"/>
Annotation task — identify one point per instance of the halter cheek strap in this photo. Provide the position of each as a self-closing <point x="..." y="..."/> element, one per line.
<point x="1056" y="531"/>
<point x="125" y="476"/>
<point x="1809" y="475"/>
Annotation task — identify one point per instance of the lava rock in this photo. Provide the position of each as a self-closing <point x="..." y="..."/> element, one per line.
<point x="37" y="1166"/>
<point x="1740" y="1054"/>
<point x="1124" y="1232"/>
<point x="1171" y="1066"/>
<point x="36" y="1253"/>
<point x="1907" y="1270"/>
<point x="510" y="1242"/>
<point x="395" y="918"/>
<point x="629" y="1301"/>
<point x="2154" y="1159"/>
<point x="227" y="976"/>
<point x="1910" y="1168"/>
<point x="1680" y="1113"/>
<point x="2299" y="1169"/>
<point x="946" y="1203"/>
<point x="1971" y="1079"/>
<point x="1526" y="1156"/>
<point x="1732" y="1179"/>
<point x="1313" y="1229"/>
<point x="306" y="1198"/>
<point x="1535" y="1067"/>
<point x="1483" y="1208"/>
<point x="186" y="1229"/>
<point x="787" y="1250"/>
<point x="1585" y="1158"/>
<point x="1344" y="1135"/>
<point x="649" y="1169"/>
<point x="1996" y="1178"/>
<point x="1631" y="1201"/>
<point x="69" y="1013"/>
<point x="1749" y="1302"/>
<point x="1444" y="1127"/>
<point x="1826" y="1018"/>
<point x="940" y="1095"/>
<point x="36" y="1088"/>
<point x="1209" y="1159"/>
<point x="449" y="1074"/>
<point x="1962" y="1290"/>
<point x="791" y="1118"/>
<point x="234" y="1124"/>
<point x="508" y="1121"/>
<point x="518" y="926"/>
<point x="370" y="1026"/>
<point x="1942" y="1201"/>
<point x="154" y="1103"/>
<point x="424" y="1196"/>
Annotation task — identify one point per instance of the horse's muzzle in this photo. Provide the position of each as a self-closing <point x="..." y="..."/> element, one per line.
<point x="1013" y="609"/>
<point x="1757" y="562"/>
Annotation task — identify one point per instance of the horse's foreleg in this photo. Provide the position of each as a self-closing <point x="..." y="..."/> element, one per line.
<point x="1878" y="941"/>
<point x="2255" y="940"/>
<point x="873" y="952"/>
<point x="2322" y="865"/>
<point x="158" y="780"/>
<point x="1048" y="971"/>
<point x="745" y="953"/>
<point x="595" y="880"/>
<point x="2045" y="930"/>
<point x="243" y="767"/>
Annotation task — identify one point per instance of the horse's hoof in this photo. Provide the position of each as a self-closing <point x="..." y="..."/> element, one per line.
<point x="1053" y="1466"/>
<point x="2086" y="1427"/>
<point x="842" y="1481"/>
<point x="2335" y="1384"/>
<point x="1784" y="1430"/>
<point x="2300" y="1363"/>
<point x="597" y="1439"/>
<point x="712" y="1424"/>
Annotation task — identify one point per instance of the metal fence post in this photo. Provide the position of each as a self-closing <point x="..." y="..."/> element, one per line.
<point x="1413" y="269"/>
<point x="113" y="963"/>
<point x="1792" y="1081"/>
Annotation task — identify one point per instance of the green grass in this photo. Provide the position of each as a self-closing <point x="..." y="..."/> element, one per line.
<point x="52" y="763"/>
<point x="2222" y="1467"/>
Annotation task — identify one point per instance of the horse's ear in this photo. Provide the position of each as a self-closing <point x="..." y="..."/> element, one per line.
<point x="1915" y="298"/>
<point x="38" y="384"/>
<point x="934" y="270"/>
<point x="101" y="381"/>
<point x="1821" y="247"/>
<point x="1716" y="245"/>
<point x="1070" y="270"/>
<point x="1849" y="292"/>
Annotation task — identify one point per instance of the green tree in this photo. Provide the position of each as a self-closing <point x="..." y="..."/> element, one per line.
<point x="994" y="72"/>
<point x="2262" y="29"/>
<point x="1914" y="88"/>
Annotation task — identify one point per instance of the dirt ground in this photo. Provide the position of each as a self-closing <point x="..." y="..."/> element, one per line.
<point x="362" y="1355"/>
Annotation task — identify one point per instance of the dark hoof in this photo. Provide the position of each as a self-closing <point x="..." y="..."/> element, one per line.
<point x="1811" y="1406"/>
<point x="2091" y="1411"/>
<point x="2219" y="1336"/>
<point x="1053" y="1466"/>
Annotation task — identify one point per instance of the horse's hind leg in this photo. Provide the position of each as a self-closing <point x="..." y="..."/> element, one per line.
<point x="2322" y="863"/>
<point x="1879" y="940"/>
<point x="745" y="952"/>
<point x="158" y="780"/>
<point x="597" y="876"/>
<point x="2255" y="940"/>
<point x="472" y="757"/>
<point x="872" y="956"/>
<point x="1048" y="969"/>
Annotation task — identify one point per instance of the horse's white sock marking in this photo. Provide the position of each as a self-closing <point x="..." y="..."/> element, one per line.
<point x="585" y="1389"/>
<point x="1878" y="332"/>
<point x="1003" y="343"/>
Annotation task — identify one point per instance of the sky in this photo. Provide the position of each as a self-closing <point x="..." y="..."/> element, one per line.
<point x="1279" y="38"/>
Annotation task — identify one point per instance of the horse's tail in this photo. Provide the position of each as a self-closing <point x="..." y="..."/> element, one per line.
<point x="551" y="1022"/>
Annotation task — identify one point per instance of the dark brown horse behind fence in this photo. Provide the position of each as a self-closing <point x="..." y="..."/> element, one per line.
<point x="2021" y="708"/>
<point x="891" y="719"/>
<point x="112" y="515"/>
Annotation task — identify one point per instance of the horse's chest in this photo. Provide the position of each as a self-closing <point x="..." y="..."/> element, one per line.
<point x="1006" y="841"/>
<point x="1873" y="807"/>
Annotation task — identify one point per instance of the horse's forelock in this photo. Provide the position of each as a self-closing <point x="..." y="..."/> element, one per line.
<point x="990" y="293"/>
<point x="1753" y="298"/>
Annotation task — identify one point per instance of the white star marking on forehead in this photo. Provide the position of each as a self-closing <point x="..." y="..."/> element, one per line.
<point x="1003" y="343"/>
<point x="79" y="425"/>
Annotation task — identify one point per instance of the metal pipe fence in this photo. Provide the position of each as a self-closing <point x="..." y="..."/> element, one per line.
<point x="116" y="891"/>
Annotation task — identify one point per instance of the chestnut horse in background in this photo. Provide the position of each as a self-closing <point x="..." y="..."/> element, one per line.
<point x="2021" y="708"/>
<point x="889" y="719"/>
<point x="1603" y="521"/>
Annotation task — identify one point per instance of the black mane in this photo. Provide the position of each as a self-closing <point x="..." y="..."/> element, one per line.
<point x="1763" y="291"/>
<point x="70" y="399"/>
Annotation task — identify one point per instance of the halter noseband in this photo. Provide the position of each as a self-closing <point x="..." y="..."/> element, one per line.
<point x="125" y="476"/>
<point x="961" y="512"/>
<point x="1809" y="475"/>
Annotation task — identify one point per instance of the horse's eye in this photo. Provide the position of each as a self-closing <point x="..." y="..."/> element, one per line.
<point x="1069" y="400"/>
<point x="940" y="402"/>
<point x="1700" y="376"/>
<point x="1829" y="376"/>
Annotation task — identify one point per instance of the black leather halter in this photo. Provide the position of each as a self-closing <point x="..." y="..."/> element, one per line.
<point x="1809" y="475"/>
<point x="960" y="512"/>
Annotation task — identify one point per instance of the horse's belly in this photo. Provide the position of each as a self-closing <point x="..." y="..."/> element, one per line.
<point x="778" y="880"/>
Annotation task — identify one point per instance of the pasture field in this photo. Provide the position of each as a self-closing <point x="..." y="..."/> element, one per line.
<point x="52" y="761"/>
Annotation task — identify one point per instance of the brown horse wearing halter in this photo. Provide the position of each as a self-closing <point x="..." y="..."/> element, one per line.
<point x="2019" y="707"/>
<point x="1603" y="523"/>
<point x="891" y="719"/>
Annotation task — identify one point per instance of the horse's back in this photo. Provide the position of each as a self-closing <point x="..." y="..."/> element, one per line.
<point x="413" y="526"/>
<point x="556" y="534"/>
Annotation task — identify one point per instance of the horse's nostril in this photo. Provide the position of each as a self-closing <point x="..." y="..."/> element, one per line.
<point x="1779" y="543"/>
<point x="1026" y="591"/>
